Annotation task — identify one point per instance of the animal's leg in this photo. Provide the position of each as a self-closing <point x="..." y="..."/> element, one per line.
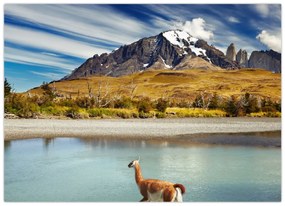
<point x="178" y="197"/>
<point x="168" y="195"/>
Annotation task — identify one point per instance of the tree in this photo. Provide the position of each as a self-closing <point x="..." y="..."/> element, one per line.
<point x="202" y="100"/>
<point x="249" y="104"/>
<point x="214" y="102"/>
<point x="7" y="88"/>
<point x="161" y="105"/>
<point x="48" y="91"/>
<point x="231" y="106"/>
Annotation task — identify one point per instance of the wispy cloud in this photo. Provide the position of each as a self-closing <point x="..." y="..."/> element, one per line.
<point x="16" y="55"/>
<point x="262" y="9"/>
<point x="49" y="75"/>
<point x="90" y="21"/>
<point x="43" y="40"/>
<point x="268" y="10"/>
<point x="233" y="19"/>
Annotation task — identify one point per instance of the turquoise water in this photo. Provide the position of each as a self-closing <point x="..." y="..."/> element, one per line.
<point x="73" y="169"/>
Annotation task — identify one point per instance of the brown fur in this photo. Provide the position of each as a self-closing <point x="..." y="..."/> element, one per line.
<point x="152" y="186"/>
<point x="183" y="190"/>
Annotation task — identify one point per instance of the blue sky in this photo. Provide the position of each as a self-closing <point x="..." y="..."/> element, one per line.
<point x="45" y="42"/>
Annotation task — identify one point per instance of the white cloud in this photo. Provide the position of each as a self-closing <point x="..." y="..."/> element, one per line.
<point x="271" y="41"/>
<point x="50" y="42"/>
<point x="92" y="21"/>
<point x="233" y="19"/>
<point x="39" y="59"/>
<point x="272" y="11"/>
<point x="263" y="9"/>
<point x="50" y="75"/>
<point x="197" y="28"/>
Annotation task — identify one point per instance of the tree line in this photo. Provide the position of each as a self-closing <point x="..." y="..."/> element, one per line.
<point x="50" y="102"/>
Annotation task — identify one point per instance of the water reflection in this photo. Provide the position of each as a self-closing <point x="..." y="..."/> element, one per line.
<point x="47" y="142"/>
<point x="7" y="144"/>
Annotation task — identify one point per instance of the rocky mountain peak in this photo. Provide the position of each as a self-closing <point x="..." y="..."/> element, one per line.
<point x="231" y="52"/>
<point x="269" y="60"/>
<point x="241" y="58"/>
<point x="165" y="50"/>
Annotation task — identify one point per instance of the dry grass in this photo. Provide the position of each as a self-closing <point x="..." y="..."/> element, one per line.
<point x="197" y="112"/>
<point x="186" y="83"/>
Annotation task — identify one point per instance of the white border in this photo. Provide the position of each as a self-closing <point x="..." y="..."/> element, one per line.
<point x="3" y="2"/>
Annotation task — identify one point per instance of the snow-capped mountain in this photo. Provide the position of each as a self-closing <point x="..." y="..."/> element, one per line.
<point x="166" y="50"/>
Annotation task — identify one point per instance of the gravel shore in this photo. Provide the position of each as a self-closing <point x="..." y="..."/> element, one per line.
<point x="136" y="128"/>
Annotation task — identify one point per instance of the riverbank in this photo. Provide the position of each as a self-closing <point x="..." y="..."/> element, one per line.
<point x="178" y="129"/>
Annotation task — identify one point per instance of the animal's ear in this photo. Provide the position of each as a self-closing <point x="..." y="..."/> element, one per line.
<point x="131" y="164"/>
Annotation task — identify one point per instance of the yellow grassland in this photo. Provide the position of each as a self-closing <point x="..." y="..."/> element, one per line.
<point x="183" y="84"/>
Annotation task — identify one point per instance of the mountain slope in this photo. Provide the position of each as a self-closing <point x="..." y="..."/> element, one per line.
<point x="177" y="84"/>
<point x="166" y="50"/>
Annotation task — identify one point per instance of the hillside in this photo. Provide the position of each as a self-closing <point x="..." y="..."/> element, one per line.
<point x="183" y="84"/>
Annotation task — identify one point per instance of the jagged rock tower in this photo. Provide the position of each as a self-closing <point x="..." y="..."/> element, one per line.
<point x="269" y="60"/>
<point x="241" y="58"/>
<point x="231" y="52"/>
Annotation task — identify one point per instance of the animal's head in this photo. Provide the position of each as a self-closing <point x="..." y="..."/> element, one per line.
<point x="133" y="163"/>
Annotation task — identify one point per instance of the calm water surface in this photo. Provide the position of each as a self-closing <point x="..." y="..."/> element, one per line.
<point x="71" y="169"/>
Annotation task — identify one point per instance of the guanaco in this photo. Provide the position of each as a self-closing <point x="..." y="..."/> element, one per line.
<point x="154" y="190"/>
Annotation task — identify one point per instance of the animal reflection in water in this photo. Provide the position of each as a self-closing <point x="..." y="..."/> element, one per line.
<point x="154" y="190"/>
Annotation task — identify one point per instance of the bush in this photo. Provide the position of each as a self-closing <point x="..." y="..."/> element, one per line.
<point x="161" y="105"/>
<point x="249" y="104"/>
<point x="96" y="112"/>
<point x="144" y="106"/>
<point x="54" y="110"/>
<point x="85" y="102"/>
<point x="21" y="105"/>
<point x="66" y="102"/>
<point x="124" y="102"/>
<point x="28" y="110"/>
<point x="231" y="107"/>
<point x="73" y="112"/>
<point x="214" y="102"/>
<point x="160" y="114"/>
<point x="146" y="115"/>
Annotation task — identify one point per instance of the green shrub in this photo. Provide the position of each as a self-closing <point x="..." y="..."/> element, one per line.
<point x="21" y="105"/>
<point x="54" y="110"/>
<point x="28" y="110"/>
<point x="160" y="114"/>
<point x="66" y="102"/>
<point x="96" y="112"/>
<point x="73" y="112"/>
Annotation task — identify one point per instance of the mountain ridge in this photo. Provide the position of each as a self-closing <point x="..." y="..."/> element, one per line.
<point x="170" y="47"/>
<point x="168" y="50"/>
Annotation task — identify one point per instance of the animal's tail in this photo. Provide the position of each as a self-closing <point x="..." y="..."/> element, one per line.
<point x="182" y="188"/>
